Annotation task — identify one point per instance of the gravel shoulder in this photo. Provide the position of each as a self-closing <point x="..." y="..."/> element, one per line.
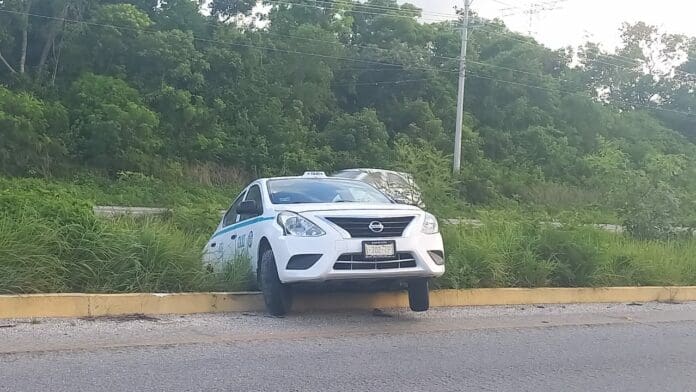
<point x="54" y="335"/>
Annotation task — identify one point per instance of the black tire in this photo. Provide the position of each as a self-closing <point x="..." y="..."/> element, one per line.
<point x="418" y="295"/>
<point x="276" y="295"/>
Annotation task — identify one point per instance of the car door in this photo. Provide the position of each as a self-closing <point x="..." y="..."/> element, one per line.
<point x="226" y="232"/>
<point x="245" y="231"/>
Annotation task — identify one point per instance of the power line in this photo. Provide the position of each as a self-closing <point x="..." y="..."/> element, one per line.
<point x="690" y="114"/>
<point x="380" y="8"/>
<point x="379" y="83"/>
<point x="373" y="62"/>
<point x="396" y="15"/>
<point x="431" y="55"/>
<point x="504" y="3"/>
<point x="513" y="83"/>
<point x="530" y="41"/>
<point x="550" y="3"/>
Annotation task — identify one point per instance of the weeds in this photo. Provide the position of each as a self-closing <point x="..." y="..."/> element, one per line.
<point x="124" y="255"/>
<point x="524" y="253"/>
<point x="50" y="241"/>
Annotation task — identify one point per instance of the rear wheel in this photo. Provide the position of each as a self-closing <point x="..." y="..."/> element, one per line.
<point x="418" y="295"/>
<point x="276" y="295"/>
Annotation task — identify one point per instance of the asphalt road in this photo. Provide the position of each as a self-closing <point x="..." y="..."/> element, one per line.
<point x="575" y="348"/>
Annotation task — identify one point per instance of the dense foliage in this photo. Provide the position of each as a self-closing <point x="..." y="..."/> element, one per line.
<point x="178" y="90"/>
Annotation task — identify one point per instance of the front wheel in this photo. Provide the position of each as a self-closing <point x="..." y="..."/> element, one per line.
<point x="276" y="295"/>
<point x="418" y="295"/>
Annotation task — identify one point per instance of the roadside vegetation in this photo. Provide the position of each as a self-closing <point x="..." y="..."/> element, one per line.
<point x="518" y="251"/>
<point x="52" y="242"/>
<point x="155" y="103"/>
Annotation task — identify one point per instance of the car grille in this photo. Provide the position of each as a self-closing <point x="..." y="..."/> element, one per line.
<point x="356" y="262"/>
<point x="360" y="227"/>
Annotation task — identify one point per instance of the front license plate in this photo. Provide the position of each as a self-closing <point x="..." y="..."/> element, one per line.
<point x="379" y="249"/>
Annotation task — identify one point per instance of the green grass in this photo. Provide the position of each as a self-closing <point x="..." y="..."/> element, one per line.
<point x="50" y="241"/>
<point x="125" y="255"/>
<point x="128" y="190"/>
<point x="523" y="253"/>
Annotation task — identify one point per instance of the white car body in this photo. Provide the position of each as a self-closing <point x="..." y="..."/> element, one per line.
<point x="338" y="254"/>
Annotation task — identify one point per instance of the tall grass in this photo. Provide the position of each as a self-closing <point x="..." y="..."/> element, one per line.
<point x="524" y="253"/>
<point x="120" y="256"/>
<point x="29" y="257"/>
<point x="52" y="242"/>
<point x="135" y="256"/>
<point x="131" y="189"/>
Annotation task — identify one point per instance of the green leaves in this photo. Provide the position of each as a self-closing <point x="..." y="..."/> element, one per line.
<point x="155" y="87"/>
<point x="113" y="129"/>
<point x="32" y="134"/>
<point x="361" y="137"/>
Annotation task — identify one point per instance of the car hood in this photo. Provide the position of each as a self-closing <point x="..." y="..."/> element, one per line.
<point x="342" y="207"/>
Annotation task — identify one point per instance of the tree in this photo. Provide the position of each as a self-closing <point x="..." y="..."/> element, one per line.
<point x="226" y="9"/>
<point x="113" y="129"/>
<point x="361" y="138"/>
<point x="32" y="134"/>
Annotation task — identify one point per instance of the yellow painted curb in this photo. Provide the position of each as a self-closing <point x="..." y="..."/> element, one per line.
<point x="94" y="305"/>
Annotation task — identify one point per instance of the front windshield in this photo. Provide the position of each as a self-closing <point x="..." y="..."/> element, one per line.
<point x="312" y="190"/>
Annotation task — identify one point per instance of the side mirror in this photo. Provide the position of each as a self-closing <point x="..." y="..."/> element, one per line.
<point x="248" y="207"/>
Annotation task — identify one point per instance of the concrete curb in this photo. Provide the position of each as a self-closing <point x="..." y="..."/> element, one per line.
<point x="95" y="305"/>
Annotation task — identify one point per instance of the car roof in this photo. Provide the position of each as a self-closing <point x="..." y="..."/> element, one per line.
<point x="306" y="178"/>
<point x="366" y="170"/>
<point x="383" y="171"/>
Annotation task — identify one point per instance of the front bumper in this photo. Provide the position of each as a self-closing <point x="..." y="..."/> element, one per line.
<point x="332" y="247"/>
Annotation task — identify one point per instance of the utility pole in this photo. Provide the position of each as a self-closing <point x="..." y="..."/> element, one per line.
<point x="460" y="95"/>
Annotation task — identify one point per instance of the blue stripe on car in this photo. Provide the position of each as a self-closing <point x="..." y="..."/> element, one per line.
<point x="242" y="224"/>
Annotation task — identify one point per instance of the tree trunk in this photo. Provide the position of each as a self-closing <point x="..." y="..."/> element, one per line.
<point x="25" y="33"/>
<point x="7" y="64"/>
<point x="51" y="38"/>
<point x="56" y="60"/>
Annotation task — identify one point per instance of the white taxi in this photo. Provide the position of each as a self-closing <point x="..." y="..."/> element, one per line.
<point x="315" y="228"/>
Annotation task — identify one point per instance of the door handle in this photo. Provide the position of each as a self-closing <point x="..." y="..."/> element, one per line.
<point x="234" y="237"/>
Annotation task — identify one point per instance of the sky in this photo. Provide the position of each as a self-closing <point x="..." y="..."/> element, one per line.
<point x="577" y="21"/>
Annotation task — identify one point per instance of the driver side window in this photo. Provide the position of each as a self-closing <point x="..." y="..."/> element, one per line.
<point x="255" y="195"/>
<point x="231" y="214"/>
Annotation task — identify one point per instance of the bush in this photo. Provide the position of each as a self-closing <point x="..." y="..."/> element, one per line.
<point x="650" y="211"/>
<point x="433" y="173"/>
<point x="60" y="207"/>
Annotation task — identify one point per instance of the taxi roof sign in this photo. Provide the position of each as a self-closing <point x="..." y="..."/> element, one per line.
<point x="314" y="174"/>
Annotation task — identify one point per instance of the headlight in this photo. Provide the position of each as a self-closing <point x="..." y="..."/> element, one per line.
<point x="297" y="225"/>
<point x="430" y="225"/>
